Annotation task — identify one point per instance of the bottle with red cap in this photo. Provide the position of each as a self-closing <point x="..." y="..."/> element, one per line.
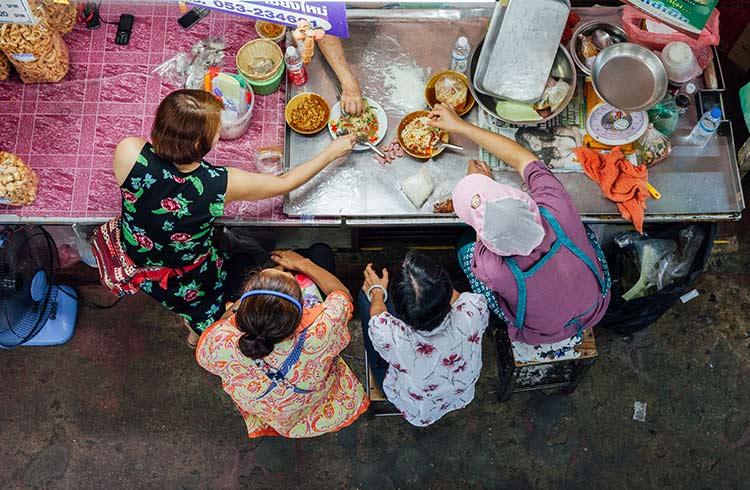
<point x="295" y="69"/>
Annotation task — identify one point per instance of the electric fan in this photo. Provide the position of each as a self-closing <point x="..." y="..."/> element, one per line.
<point x="33" y="310"/>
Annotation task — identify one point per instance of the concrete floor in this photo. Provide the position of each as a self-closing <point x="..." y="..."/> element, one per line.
<point x="123" y="405"/>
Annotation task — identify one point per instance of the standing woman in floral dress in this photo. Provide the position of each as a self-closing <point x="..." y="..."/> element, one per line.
<point x="171" y="197"/>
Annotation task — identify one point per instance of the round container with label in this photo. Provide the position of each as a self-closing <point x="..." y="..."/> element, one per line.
<point x="613" y="127"/>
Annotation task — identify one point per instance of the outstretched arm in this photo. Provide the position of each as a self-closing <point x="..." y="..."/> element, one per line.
<point x="351" y="94"/>
<point x="507" y="150"/>
<point x="246" y="186"/>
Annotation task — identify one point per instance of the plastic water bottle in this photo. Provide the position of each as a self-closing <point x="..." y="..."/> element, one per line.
<point x="706" y="127"/>
<point x="295" y="70"/>
<point x="460" y="55"/>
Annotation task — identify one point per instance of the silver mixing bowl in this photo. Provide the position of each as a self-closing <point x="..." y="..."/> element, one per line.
<point x="562" y="68"/>
<point x="616" y="33"/>
<point x="629" y="77"/>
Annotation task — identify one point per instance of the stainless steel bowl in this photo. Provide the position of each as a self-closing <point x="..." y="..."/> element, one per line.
<point x="563" y="68"/>
<point x="629" y="77"/>
<point x="616" y="33"/>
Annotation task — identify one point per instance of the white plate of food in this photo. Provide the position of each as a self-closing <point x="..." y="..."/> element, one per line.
<point x="373" y="121"/>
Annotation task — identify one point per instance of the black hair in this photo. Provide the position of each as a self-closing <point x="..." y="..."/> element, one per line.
<point x="421" y="292"/>
<point x="266" y="320"/>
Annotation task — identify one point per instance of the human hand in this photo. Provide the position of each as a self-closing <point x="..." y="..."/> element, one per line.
<point x="444" y="117"/>
<point x="372" y="279"/>
<point x="289" y="260"/>
<point x="477" y="167"/>
<point x="351" y="98"/>
<point x="341" y="146"/>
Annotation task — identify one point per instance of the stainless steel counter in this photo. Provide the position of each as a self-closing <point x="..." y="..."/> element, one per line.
<point x="696" y="184"/>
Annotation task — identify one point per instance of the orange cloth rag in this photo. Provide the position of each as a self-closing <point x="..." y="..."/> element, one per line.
<point x="622" y="182"/>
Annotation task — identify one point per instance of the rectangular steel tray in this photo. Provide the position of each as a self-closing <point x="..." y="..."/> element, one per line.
<point x="520" y="48"/>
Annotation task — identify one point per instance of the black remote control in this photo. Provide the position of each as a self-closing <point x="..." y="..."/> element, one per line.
<point x="123" y="29"/>
<point x="191" y="18"/>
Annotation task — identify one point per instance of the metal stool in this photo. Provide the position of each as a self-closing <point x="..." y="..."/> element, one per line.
<point x="564" y="374"/>
<point x="379" y="404"/>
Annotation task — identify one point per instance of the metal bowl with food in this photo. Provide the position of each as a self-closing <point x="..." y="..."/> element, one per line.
<point x="629" y="77"/>
<point x="590" y="38"/>
<point x="307" y="113"/>
<point x="448" y="91"/>
<point x="563" y="69"/>
<point x="419" y="139"/>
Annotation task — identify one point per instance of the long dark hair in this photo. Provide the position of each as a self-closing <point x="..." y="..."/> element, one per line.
<point x="421" y="292"/>
<point x="266" y="320"/>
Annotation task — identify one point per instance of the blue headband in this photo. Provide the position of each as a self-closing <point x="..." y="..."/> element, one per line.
<point x="278" y="294"/>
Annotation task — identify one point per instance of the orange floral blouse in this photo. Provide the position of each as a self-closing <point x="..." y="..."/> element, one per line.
<point x="319" y="393"/>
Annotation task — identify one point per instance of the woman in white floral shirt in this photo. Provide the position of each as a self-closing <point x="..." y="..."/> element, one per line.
<point x="424" y="339"/>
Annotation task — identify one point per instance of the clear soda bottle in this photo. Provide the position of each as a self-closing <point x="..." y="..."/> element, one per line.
<point x="460" y="55"/>
<point x="295" y="69"/>
<point x="705" y="128"/>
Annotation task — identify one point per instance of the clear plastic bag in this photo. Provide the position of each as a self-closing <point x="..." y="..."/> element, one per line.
<point x="652" y="264"/>
<point x="18" y="181"/>
<point x="451" y="90"/>
<point x="652" y="147"/>
<point x="37" y="52"/>
<point x="665" y="115"/>
<point x="4" y="67"/>
<point x="189" y="69"/>
<point x="269" y="160"/>
<point x="61" y="15"/>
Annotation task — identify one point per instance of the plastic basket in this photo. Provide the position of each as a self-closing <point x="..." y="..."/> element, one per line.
<point x="259" y="49"/>
<point x="268" y="86"/>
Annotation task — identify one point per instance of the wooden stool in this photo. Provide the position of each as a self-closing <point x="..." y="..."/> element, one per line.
<point x="564" y="373"/>
<point x="379" y="404"/>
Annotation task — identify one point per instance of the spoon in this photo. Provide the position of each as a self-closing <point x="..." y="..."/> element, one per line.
<point x="601" y="39"/>
<point x="362" y="140"/>
<point x="443" y="144"/>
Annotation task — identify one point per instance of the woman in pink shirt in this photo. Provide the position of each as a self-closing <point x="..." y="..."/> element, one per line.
<point x="541" y="270"/>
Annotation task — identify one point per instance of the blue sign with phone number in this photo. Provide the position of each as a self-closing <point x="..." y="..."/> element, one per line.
<point x="330" y="16"/>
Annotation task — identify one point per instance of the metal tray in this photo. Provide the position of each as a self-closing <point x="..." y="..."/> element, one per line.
<point x="520" y="48"/>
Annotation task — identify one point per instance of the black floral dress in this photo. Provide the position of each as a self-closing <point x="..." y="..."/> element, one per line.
<point x="167" y="220"/>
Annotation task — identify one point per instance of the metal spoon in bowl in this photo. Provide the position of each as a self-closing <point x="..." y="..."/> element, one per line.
<point x="443" y="144"/>
<point x="601" y="39"/>
<point x="362" y="140"/>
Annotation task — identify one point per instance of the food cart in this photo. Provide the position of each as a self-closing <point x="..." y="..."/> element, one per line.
<point x="67" y="131"/>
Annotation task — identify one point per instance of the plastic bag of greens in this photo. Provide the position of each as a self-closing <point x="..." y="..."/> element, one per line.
<point x="652" y="147"/>
<point x="665" y="115"/>
<point x="745" y="103"/>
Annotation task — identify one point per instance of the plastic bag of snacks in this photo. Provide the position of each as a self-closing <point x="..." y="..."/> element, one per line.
<point x="451" y="90"/>
<point x="18" y="181"/>
<point x="37" y="52"/>
<point x="61" y="15"/>
<point x="652" y="147"/>
<point x="4" y="67"/>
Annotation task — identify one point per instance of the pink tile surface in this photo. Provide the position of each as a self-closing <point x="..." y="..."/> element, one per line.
<point x="67" y="131"/>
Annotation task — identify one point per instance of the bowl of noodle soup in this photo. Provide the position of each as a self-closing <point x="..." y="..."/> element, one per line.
<point x="417" y="138"/>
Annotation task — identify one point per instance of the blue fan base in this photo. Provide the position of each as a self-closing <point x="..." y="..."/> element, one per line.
<point x="60" y="329"/>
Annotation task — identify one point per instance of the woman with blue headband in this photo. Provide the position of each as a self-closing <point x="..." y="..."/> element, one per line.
<point x="279" y="360"/>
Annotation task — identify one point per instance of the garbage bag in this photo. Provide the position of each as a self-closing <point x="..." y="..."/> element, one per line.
<point x="674" y="256"/>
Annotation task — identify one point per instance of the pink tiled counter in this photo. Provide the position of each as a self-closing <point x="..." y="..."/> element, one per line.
<point x="67" y="131"/>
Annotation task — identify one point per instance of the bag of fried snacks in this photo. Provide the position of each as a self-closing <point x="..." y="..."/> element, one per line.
<point x="18" y="181"/>
<point x="4" y="67"/>
<point x="37" y="52"/>
<point x="451" y="90"/>
<point x="61" y="15"/>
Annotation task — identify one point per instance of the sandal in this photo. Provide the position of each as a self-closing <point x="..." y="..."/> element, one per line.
<point x="192" y="338"/>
